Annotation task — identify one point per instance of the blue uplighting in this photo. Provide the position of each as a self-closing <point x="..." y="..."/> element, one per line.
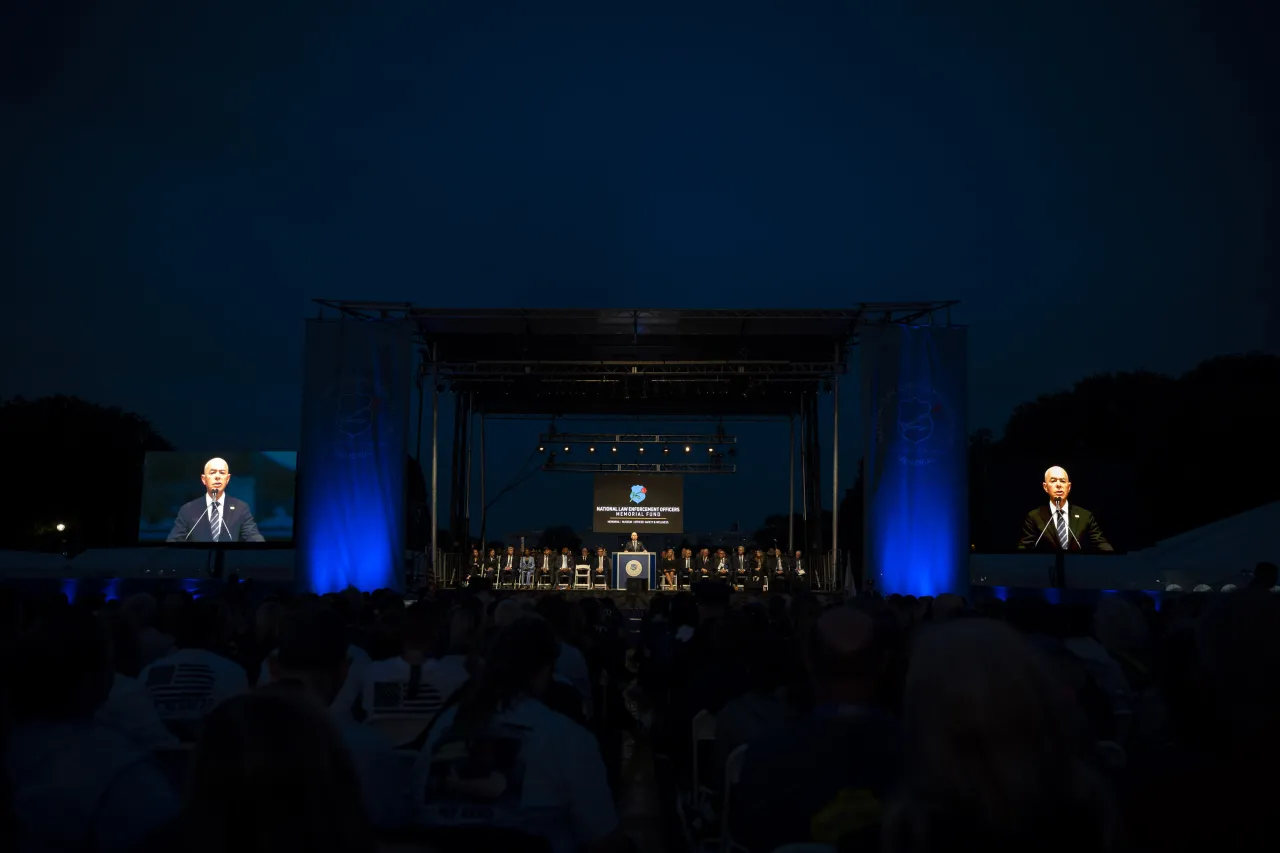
<point x="69" y="588"/>
<point x="351" y="468"/>
<point x="916" y="463"/>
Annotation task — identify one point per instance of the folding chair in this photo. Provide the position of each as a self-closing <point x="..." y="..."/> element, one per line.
<point x="582" y="576"/>
<point x="732" y="773"/>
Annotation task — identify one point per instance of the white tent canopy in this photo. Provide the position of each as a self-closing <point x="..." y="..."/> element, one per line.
<point x="1217" y="553"/>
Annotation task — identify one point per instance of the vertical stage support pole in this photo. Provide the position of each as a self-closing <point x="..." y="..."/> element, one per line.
<point x="791" y="487"/>
<point x="466" y="544"/>
<point x="484" y="509"/>
<point x="435" y="462"/>
<point x="835" y="479"/>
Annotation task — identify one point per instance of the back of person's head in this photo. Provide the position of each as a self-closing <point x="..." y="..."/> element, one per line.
<point x="271" y="773"/>
<point x="1264" y="576"/>
<point x="559" y="614"/>
<point x="507" y="612"/>
<point x="1120" y="626"/>
<point x="204" y="625"/>
<point x="1239" y="651"/>
<point x="684" y="610"/>
<point x="843" y="657"/>
<point x="465" y="619"/>
<point x="125" y="644"/>
<point x="518" y="660"/>
<point x="62" y="667"/>
<point x="993" y="756"/>
<point x="313" y="650"/>
<point x="142" y="608"/>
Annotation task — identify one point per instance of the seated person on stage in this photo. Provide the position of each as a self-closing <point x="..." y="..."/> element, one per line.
<point x="722" y="566"/>
<point x="526" y="568"/>
<point x="799" y="571"/>
<point x="475" y="568"/>
<point x="564" y="567"/>
<point x="741" y="562"/>
<point x="545" y="564"/>
<point x="586" y="557"/>
<point x="1061" y="526"/>
<point x="635" y="545"/>
<point x="686" y="567"/>
<point x="507" y="568"/>
<point x="705" y="566"/>
<point x="491" y="565"/>
<point x="600" y="568"/>
<point x="779" y="575"/>
<point x="668" y="566"/>
<point x="215" y="516"/>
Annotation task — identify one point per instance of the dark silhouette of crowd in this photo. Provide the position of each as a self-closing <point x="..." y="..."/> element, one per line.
<point x="248" y="720"/>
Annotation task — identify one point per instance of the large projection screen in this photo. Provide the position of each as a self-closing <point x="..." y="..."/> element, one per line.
<point x="639" y="502"/>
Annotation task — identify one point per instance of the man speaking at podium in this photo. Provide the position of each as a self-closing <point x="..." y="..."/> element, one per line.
<point x="216" y="517"/>
<point x="1060" y="526"/>
<point x="635" y="546"/>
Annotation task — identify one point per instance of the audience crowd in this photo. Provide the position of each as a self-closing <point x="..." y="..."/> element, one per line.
<point x="474" y="720"/>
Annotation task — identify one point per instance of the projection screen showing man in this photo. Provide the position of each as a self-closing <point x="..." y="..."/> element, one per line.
<point x="1061" y="525"/>
<point x="215" y="516"/>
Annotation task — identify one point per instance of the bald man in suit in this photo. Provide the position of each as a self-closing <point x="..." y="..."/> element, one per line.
<point x="215" y="517"/>
<point x="1061" y="526"/>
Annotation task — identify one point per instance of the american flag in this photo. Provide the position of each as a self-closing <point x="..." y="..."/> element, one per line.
<point x="181" y="690"/>
<point x="391" y="698"/>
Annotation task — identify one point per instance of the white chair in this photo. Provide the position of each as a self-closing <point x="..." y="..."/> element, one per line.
<point x="582" y="576"/>
<point x="732" y="773"/>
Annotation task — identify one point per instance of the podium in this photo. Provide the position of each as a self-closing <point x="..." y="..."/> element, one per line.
<point x="629" y="565"/>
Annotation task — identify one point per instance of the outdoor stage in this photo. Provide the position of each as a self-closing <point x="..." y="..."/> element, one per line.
<point x="654" y="365"/>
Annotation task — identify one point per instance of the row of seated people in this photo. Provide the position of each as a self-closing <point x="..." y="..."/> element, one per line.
<point x="757" y="570"/>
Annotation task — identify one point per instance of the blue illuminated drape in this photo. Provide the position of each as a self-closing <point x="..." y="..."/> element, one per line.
<point x="351" y="466"/>
<point x="914" y="391"/>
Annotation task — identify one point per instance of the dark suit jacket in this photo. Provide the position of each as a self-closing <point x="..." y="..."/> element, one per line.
<point x="636" y="547"/>
<point x="608" y="565"/>
<point x="1085" y="536"/>
<point x="192" y="523"/>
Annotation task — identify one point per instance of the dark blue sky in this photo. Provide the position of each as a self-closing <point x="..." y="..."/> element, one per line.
<point x="1095" y="180"/>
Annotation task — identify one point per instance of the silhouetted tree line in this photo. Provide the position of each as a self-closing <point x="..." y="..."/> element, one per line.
<point x="73" y="462"/>
<point x="1152" y="455"/>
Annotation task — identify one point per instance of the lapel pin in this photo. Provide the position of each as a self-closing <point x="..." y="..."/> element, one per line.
<point x="1074" y="516"/>
<point x="234" y="508"/>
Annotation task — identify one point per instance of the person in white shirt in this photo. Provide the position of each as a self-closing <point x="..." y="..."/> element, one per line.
<point x="500" y="758"/>
<point x="193" y="680"/>
<point x="129" y="709"/>
<point x="415" y="683"/>
<point x="313" y="656"/>
<point x="76" y="784"/>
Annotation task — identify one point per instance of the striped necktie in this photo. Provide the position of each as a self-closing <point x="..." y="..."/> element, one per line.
<point x="215" y="521"/>
<point x="1062" y="530"/>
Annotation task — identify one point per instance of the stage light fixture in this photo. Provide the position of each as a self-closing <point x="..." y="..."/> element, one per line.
<point x="666" y="450"/>
<point x="615" y="450"/>
<point x="591" y="450"/>
<point x="566" y="448"/>
<point x="711" y="450"/>
<point x="687" y="448"/>
<point x="541" y="449"/>
<point x="61" y="527"/>
<point x="642" y="450"/>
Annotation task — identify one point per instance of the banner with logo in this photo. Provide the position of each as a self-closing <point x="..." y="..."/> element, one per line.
<point x="351" y="464"/>
<point x="916" y="474"/>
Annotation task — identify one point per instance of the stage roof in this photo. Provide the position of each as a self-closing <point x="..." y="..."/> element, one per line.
<point x="717" y="363"/>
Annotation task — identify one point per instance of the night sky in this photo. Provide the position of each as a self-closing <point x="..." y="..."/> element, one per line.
<point x="1096" y="181"/>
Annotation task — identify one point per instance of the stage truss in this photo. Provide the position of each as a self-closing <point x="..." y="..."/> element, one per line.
<point x="635" y="364"/>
